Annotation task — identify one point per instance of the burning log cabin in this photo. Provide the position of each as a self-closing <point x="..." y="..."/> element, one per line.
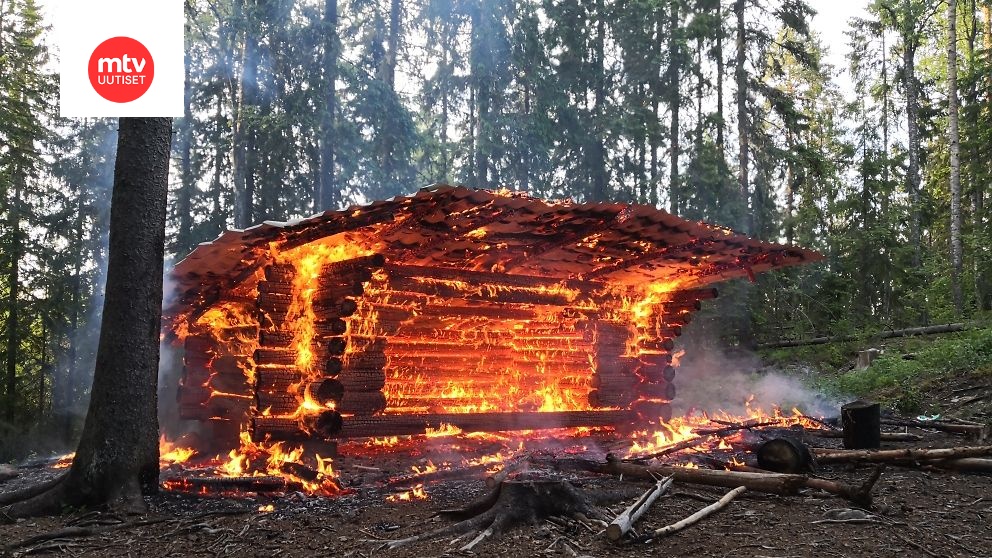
<point x="454" y="307"/>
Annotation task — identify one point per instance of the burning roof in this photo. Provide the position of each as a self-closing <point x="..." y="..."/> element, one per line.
<point x="503" y="232"/>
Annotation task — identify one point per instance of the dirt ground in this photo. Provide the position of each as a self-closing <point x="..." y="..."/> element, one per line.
<point x="916" y="513"/>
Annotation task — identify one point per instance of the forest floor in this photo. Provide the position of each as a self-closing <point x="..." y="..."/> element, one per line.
<point x="917" y="512"/>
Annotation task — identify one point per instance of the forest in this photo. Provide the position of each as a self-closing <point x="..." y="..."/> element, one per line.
<point x="725" y="111"/>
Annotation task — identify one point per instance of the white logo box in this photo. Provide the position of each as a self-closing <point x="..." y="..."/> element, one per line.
<point x="81" y="25"/>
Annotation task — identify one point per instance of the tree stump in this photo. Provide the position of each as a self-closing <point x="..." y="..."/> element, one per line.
<point x="862" y="425"/>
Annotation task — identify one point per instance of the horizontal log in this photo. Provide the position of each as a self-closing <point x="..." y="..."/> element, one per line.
<point x="656" y="344"/>
<point x="325" y="391"/>
<point x="338" y="309"/>
<point x="616" y="365"/>
<point x="230" y="383"/>
<point x="662" y="390"/>
<point x="364" y="361"/>
<point x="506" y="295"/>
<point x="392" y="425"/>
<point x="274" y="356"/>
<point x="655" y="359"/>
<point x="276" y="379"/>
<point x="625" y="381"/>
<point x="362" y="403"/>
<point x="275" y="301"/>
<point x="695" y="294"/>
<point x="373" y="261"/>
<point x="276" y="338"/>
<point x="279" y="403"/>
<point x="486" y="278"/>
<point x="240" y="484"/>
<point x="332" y="366"/>
<point x="824" y="455"/>
<point x="654" y="373"/>
<point x="599" y="398"/>
<point x="275" y="287"/>
<point x="330" y="326"/>
<point x="282" y="273"/>
<point x="682" y="305"/>
<point x="202" y="344"/>
<point x="331" y="292"/>
<point x="356" y="379"/>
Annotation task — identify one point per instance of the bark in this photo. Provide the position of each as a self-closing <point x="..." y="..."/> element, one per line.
<point x="625" y="521"/>
<point x="328" y="196"/>
<point x="675" y="103"/>
<point x="13" y="291"/>
<point x="913" y="128"/>
<point x="184" y="198"/>
<point x="599" y="177"/>
<point x="699" y="515"/>
<point x="824" y="455"/>
<point x="117" y="458"/>
<point x="743" y="131"/>
<point x="720" y="142"/>
<point x="954" y="147"/>
<point x="386" y="160"/>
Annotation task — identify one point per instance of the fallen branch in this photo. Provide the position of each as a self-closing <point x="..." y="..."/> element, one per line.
<point x="880" y="456"/>
<point x="623" y="523"/>
<point x="980" y="431"/>
<point x="696" y="517"/>
<point x="772" y="483"/>
<point x="966" y="465"/>
<point x="885" y="436"/>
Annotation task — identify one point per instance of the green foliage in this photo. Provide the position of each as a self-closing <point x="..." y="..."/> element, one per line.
<point x="901" y="381"/>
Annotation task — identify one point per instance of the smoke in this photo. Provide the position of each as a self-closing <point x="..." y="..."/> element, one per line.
<point x="712" y="377"/>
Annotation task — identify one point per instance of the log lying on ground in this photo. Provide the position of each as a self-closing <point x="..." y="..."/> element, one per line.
<point x="980" y="431"/>
<point x="824" y="455"/>
<point x="966" y="465"/>
<point x="929" y="330"/>
<point x="623" y="523"/>
<point x="246" y="484"/>
<point x="772" y="483"/>
<point x="696" y="517"/>
<point x="885" y="436"/>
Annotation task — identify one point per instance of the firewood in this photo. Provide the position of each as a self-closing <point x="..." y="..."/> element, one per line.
<point x="698" y="516"/>
<point x="623" y="522"/>
<point x="824" y="455"/>
<point x="241" y="484"/>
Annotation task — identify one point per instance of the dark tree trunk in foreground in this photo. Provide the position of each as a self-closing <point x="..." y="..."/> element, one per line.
<point x="117" y="458"/>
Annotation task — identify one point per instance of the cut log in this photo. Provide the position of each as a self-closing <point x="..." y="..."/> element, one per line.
<point x="824" y="455"/>
<point x="327" y="293"/>
<point x="276" y="338"/>
<point x="275" y="301"/>
<point x="698" y="516"/>
<point x="358" y="379"/>
<point x="274" y="357"/>
<point x="325" y="391"/>
<point x="373" y="261"/>
<point x="330" y="326"/>
<point x="966" y="465"/>
<point x="601" y="398"/>
<point x="623" y="523"/>
<point x="355" y="275"/>
<point x="366" y="361"/>
<point x="657" y="345"/>
<point x="784" y="455"/>
<point x="362" y="403"/>
<point x="980" y="431"/>
<point x="862" y="426"/>
<point x="655" y="359"/>
<point x="663" y="390"/>
<point x="652" y="411"/>
<point x="276" y="379"/>
<point x="332" y="366"/>
<point x="275" y="287"/>
<point x="279" y="403"/>
<point x="652" y="373"/>
<point x="337" y="309"/>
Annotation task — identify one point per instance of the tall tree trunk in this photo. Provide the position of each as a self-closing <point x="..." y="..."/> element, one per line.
<point x="913" y="129"/>
<point x="790" y="191"/>
<point x="600" y="191"/>
<point x="328" y="197"/>
<point x="743" y="131"/>
<point x="184" y="199"/>
<point x="674" y="101"/>
<point x="387" y="160"/>
<point x="117" y="457"/>
<point x="886" y="279"/>
<point x="983" y="291"/>
<point x="954" y="147"/>
<point x="720" y="142"/>
<point x="13" y="294"/>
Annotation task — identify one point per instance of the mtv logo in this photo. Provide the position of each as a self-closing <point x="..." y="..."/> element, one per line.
<point x="120" y="58"/>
